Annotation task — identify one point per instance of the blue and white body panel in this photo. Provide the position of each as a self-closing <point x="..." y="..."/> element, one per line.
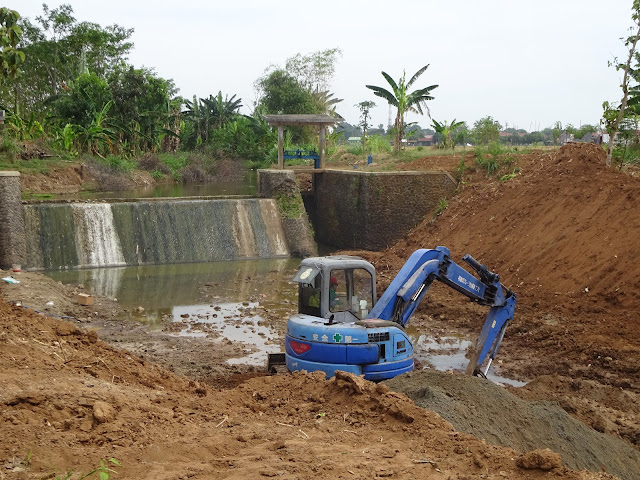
<point x="376" y="349"/>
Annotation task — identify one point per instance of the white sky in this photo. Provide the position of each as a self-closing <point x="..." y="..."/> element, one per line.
<point x="527" y="63"/>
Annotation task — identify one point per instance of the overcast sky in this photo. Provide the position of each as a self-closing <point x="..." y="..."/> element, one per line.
<point x="527" y="63"/>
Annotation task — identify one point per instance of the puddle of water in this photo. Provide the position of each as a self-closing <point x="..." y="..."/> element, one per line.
<point x="448" y="353"/>
<point x="171" y="298"/>
<point x="230" y="320"/>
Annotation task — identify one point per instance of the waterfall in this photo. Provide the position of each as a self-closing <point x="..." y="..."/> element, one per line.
<point x="152" y="232"/>
<point x="97" y="242"/>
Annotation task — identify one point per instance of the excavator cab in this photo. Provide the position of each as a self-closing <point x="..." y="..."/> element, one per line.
<point x="337" y="288"/>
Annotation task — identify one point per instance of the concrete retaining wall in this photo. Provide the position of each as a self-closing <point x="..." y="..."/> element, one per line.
<point x="12" y="231"/>
<point x="372" y="210"/>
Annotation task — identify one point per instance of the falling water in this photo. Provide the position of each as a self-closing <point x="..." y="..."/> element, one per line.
<point x="97" y="241"/>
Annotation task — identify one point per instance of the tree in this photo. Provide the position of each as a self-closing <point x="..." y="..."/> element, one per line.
<point x="282" y="93"/>
<point x="10" y="34"/>
<point x="557" y="130"/>
<point x="614" y="122"/>
<point x="314" y="71"/>
<point x="486" y="130"/>
<point x="364" y="107"/>
<point x="446" y="130"/>
<point x="58" y="49"/>
<point x="405" y="101"/>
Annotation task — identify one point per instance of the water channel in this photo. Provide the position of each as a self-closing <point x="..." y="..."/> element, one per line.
<point x="246" y="186"/>
<point x="231" y="298"/>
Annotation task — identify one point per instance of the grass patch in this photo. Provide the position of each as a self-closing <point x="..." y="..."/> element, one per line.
<point x="290" y="207"/>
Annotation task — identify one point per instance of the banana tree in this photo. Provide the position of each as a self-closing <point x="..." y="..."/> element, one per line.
<point x="97" y="134"/>
<point x="405" y="101"/>
<point x="446" y="129"/>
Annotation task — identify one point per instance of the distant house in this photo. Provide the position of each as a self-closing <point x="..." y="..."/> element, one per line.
<point x="354" y="140"/>
<point x="565" y="138"/>
<point x="425" y="141"/>
<point x="594" y="137"/>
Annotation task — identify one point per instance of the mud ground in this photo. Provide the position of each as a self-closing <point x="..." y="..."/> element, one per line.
<point x="563" y="234"/>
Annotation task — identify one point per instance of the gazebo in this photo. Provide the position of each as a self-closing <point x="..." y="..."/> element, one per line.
<point x="322" y="121"/>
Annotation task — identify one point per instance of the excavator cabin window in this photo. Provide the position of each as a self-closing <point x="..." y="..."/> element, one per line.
<point x="351" y="290"/>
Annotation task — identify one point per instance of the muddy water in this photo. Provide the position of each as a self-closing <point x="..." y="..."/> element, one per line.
<point x="448" y="353"/>
<point x="245" y="302"/>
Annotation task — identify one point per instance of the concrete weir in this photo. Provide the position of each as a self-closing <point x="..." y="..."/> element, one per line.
<point x="81" y="235"/>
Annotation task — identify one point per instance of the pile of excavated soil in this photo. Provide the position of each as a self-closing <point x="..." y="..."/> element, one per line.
<point x="68" y="400"/>
<point x="474" y="405"/>
<point x="565" y="224"/>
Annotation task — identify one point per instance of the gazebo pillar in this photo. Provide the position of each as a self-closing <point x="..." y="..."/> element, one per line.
<point x="280" y="147"/>
<point x="322" y="133"/>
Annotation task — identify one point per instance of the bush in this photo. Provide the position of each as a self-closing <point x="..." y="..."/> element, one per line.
<point x="120" y="164"/>
<point x="109" y="178"/>
<point x="378" y="144"/>
<point x="151" y="163"/>
<point x="9" y="148"/>
<point x="193" y="174"/>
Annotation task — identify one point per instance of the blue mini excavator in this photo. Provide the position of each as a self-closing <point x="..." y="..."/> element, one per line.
<point x="340" y="326"/>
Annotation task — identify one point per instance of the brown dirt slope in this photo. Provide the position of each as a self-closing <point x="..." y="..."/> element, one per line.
<point x="71" y="400"/>
<point x="566" y="223"/>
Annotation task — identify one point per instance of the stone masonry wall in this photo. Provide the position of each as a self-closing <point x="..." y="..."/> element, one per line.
<point x="12" y="232"/>
<point x="282" y="186"/>
<point x="373" y="210"/>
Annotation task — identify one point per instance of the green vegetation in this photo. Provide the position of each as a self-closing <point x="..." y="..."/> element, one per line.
<point x="441" y="207"/>
<point x="494" y="158"/>
<point x="290" y="206"/>
<point x="102" y="471"/>
<point x="446" y="131"/>
<point x="76" y="95"/>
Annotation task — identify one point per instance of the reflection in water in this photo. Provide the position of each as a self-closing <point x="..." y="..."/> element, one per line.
<point x="161" y="288"/>
<point x="245" y="186"/>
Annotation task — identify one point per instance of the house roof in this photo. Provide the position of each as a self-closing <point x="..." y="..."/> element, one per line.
<point x="300" y="119"/>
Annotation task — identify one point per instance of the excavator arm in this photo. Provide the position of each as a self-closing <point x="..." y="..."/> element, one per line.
<point x="400" y="300"/>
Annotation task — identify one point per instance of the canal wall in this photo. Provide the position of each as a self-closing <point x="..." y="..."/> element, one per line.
<point x="281" y="186"/>
<point x="81" y="235"/>
<point x="373" y="210"/>
<point x="12" y="234"/>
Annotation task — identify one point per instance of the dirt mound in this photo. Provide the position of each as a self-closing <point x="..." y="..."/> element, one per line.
<point x="68" y="401"/>
<point x="565" y="224"/>
<point x="478" y="407"/>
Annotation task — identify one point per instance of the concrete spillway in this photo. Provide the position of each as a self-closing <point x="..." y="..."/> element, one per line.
<point x="61" y="236"/>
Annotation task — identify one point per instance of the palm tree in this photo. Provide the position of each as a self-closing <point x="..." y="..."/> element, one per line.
<point x="446" y="129"/>
<point x="404" y="101"/>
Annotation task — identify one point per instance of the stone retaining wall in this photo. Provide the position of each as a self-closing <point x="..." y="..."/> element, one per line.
<point x="12" y="231"/>
<point x="373" y="210"/>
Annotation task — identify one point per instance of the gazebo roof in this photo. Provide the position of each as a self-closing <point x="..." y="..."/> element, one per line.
<point x="300" y="119"/>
